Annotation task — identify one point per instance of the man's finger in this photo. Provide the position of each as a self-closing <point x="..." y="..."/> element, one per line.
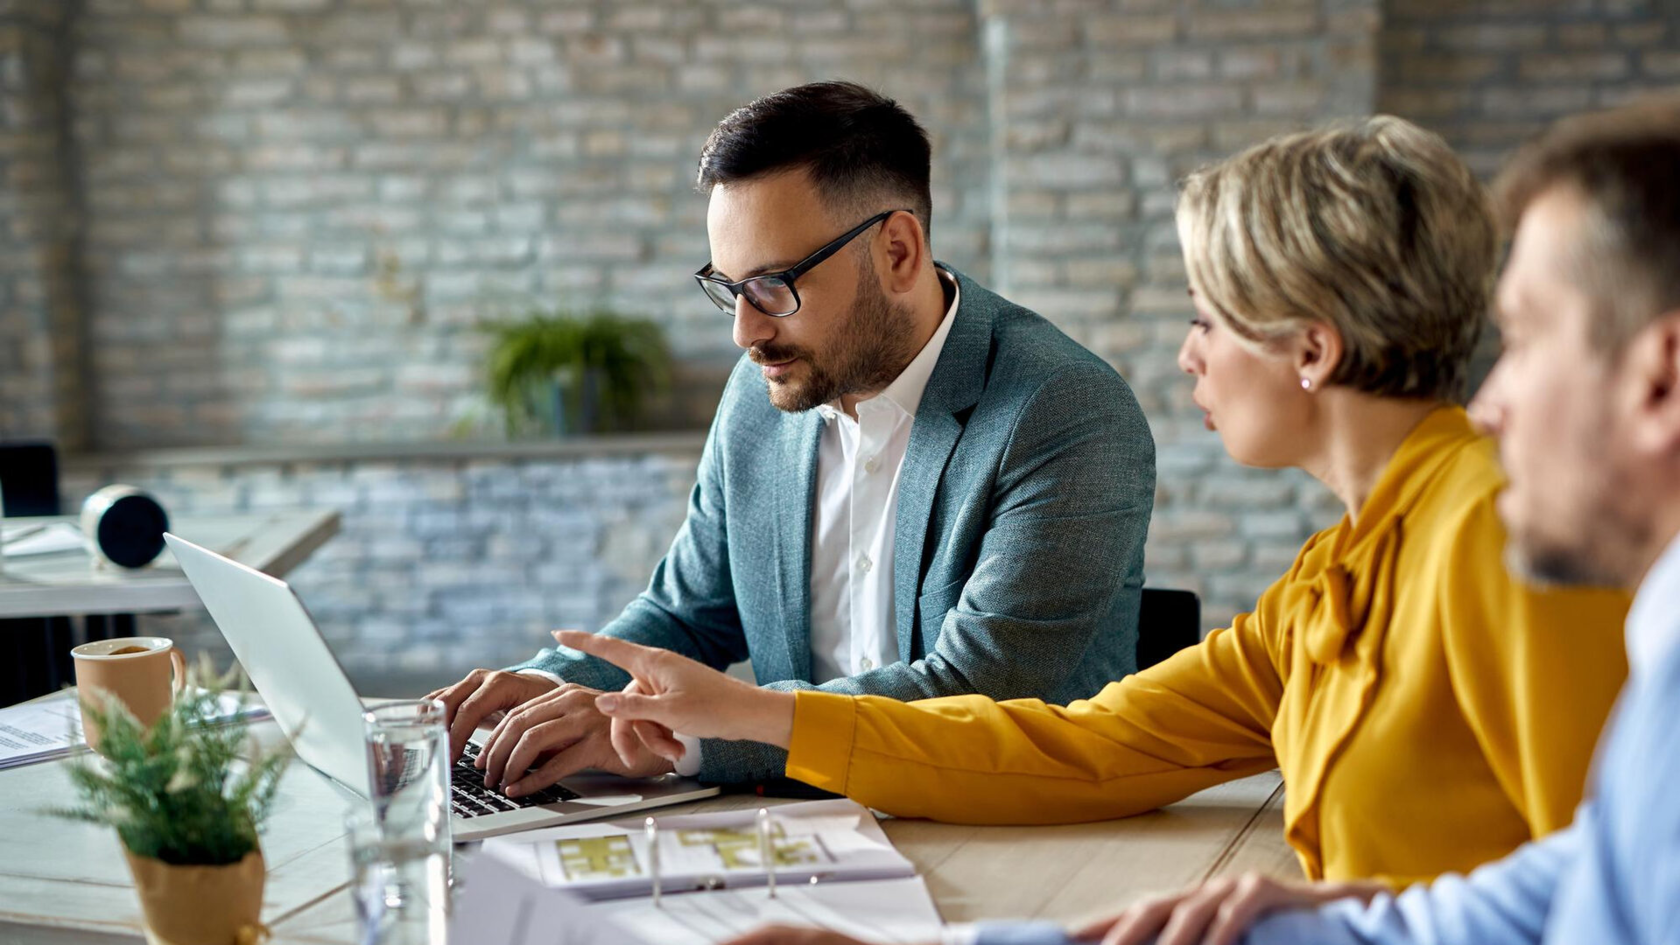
<point x="630" y="657"/>
<point x="1193" y="916"/>
<point x="516" y="715"/>
<point x="472" y="710"/>
<point x="569" y="760"/>
<point x="1239" y="912"/>
<point x="500" y="764"/>
<point x="1141" y="922"/>
<point x="556" y="735"/>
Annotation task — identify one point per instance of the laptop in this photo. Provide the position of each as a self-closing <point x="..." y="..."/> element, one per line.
<point x="306" y="690"/>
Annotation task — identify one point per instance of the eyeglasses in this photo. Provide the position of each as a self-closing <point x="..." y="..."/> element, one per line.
<point x="773" y="293"/>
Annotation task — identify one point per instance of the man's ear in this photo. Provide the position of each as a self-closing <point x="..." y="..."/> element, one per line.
<point x="904" y="246"/>
<point x="1650" y="365"/>
<point x="1317" y="352"/>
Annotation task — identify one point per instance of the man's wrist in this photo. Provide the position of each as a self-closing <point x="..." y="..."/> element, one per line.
<point x="556" y="680"/>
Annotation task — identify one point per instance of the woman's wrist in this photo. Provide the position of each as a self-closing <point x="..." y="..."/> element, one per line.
<point x="769" y="718"/>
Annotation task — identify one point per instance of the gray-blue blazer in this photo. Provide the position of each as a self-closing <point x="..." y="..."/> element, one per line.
<point x="1023" y="504"/>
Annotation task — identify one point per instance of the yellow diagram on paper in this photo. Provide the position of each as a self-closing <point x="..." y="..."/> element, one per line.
<point x="738" y="849"/>
<point x="598" y="858"/>
<point x="685" y="851"/>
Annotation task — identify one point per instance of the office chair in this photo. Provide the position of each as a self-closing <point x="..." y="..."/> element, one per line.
<point x="1168" y="621"/>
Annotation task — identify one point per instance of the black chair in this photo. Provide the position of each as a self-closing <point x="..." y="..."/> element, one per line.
<point x="35" y="651"/>
<point x="1168" y="621"/>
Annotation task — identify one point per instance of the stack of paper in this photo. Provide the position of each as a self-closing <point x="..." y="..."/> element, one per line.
<point x="18" y="541"/>
<point x="589" y="885"/>
<point x="52" y="728"/>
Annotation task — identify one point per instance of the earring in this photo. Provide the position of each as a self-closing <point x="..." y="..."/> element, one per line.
<point x="1306" y="384"/>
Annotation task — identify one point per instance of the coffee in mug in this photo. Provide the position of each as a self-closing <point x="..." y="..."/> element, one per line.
<point x="144" y="673"/>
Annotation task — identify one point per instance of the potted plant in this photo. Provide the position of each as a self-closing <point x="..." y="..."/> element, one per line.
<point x="188" y="810"/>
<point x="569" y="374"/>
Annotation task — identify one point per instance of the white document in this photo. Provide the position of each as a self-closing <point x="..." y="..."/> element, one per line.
<point x="18" y="541"/>
<point x="52" y="728"/>
<point x="829" y="841"/>
<point x="498" y="904"/>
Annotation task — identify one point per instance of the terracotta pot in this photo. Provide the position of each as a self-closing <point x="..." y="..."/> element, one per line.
<point x="200" y="905"/>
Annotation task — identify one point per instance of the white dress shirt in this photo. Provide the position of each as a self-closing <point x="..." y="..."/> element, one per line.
<point x="859" y="462"/>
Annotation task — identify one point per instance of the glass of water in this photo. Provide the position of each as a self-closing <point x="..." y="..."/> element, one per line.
<point x="399" y="883"/>
<point x="408" y="775"/>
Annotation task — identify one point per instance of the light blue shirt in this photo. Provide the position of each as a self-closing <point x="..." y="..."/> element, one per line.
<point x="1611" y="878"/>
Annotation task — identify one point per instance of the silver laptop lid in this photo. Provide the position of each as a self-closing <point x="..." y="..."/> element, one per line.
<point x="289" y="663"/>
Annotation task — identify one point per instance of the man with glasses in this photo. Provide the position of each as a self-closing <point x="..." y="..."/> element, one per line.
<point x="912" y="487"/>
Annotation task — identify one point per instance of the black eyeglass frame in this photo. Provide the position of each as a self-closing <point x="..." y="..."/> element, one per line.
<point x="786" y="276"/>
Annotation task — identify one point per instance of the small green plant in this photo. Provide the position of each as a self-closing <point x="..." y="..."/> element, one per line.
<point x="575" y="373"/>
<point x="178" y="791"/>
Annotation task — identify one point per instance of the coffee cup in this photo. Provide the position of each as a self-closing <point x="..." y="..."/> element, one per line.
<point x="144" y="673"/>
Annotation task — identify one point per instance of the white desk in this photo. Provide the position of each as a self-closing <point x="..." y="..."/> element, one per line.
<point x="66" y="882"/>
<point x="69" y="583"/>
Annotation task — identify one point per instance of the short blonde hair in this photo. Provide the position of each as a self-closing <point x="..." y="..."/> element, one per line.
<point x="1376" y="228"/>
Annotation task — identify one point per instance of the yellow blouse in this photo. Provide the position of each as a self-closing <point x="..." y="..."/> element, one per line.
<point x="1428" y="711"/>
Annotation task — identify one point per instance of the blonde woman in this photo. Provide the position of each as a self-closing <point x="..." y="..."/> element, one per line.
<point x="1429" y="712"/>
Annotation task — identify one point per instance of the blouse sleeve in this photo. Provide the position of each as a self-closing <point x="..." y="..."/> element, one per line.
<point x="1199" y="718"/>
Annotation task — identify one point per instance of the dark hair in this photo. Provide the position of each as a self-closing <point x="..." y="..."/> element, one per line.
<point x="1625" y="163"/>
<point x="859" y="146"/>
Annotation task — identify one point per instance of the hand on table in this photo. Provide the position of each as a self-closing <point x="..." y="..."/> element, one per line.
<point x="1217" y="912"/>
<point x="672" y="693"/>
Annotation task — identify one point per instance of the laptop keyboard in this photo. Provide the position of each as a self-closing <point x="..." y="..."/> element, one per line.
<point x="468" y="797"/>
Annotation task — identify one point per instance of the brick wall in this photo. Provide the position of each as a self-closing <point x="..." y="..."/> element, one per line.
<point x="1103" y="107"/>
<point x="1488" y="74"/>
<point x="298" y="209"/>
<point x="39" y="323"/>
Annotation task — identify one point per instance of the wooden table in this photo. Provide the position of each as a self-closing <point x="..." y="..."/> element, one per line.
<point x="66" y="882"/>
<point x="69" y="583"/>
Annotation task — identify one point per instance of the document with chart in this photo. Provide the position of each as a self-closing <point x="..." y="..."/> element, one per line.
<point x="592" y="884"/>
<point x="829" y="841"/>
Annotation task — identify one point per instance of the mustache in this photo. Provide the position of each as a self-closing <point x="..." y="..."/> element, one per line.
<point x="767" y="354"/>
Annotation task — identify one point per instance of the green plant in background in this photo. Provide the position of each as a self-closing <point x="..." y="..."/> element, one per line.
<point x="575" y="374"/>
<point x="178" y="791"/>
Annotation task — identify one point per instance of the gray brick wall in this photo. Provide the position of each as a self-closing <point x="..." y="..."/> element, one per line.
<point x="40" y="328"/>
<point x="298" y="209"/>
<point x="1103" y="107"/>
<point x="442" y="563"/>
<point x="1488" y="74"/>
<point x="295" y="210"/>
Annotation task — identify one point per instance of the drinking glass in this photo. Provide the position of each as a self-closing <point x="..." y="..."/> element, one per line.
<point x="409" y="770"/>
<point x="399" y="882"/>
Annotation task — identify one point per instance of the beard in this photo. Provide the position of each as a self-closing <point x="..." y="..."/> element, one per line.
<point x="1588" y="535"/>
<point x="872" y="347"/>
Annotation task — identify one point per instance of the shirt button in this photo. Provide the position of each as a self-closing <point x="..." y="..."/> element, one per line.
<point x="873" y="464"/>
<point x="866" y="664"/>
<point x="864" y="564"/>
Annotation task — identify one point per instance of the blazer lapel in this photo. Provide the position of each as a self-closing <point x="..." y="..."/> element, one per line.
<point x="796" y="494"/>
<point x="953" y="388"/>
